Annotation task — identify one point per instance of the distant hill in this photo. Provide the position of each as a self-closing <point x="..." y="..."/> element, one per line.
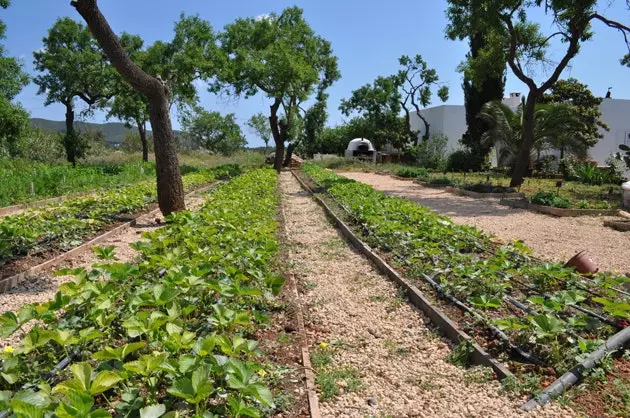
<point x="114" y="132"/>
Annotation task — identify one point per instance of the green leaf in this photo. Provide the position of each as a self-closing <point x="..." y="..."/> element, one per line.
<point x="8" y="324"/>
<point x="152" y="411"/>
<point x="103" y="381"/>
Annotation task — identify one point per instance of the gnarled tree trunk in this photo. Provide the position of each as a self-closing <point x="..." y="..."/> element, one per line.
<point x="70" y="139"/>
<point x="528" y="140"/>
<point x="277" y="134"/>
<point x="170" y="189"/>
<point x="142" y="131"/>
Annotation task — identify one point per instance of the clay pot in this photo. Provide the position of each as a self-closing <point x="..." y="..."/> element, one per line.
<point x="582" y="263"/>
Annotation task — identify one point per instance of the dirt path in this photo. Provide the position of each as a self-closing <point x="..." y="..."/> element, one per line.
<point x="549" y="238"/>
<point x="43" y="287"/>
<point x="367" y="342"/>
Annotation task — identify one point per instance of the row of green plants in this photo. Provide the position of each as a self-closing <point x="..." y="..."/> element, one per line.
<point x="422" y="174"/>
<point x="22" y="181"/>
<point x="468" y="265"/>
<point x="171" y="335"/>
<point x="64" y="225"/>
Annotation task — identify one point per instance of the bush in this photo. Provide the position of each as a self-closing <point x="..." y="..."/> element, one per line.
<point x="463" y="161"/>
<point x="550" y="199"/>
<point x="545" y="167"/>
<point x="413" y="172"/>
<point x="431" y="153"/>
<point x="443" y="181"/>
<point x="488" y="188"/>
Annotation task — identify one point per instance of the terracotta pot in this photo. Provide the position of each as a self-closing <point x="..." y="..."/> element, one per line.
<point x="583" y="263"/>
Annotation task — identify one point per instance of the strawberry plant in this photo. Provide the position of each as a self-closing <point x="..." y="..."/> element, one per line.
<point x="176" y="328"/>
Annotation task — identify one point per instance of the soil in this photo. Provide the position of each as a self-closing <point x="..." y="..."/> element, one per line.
<point x="550" y="238"/>
<point x="367" y="342"/>
<point x="609" y="398"/>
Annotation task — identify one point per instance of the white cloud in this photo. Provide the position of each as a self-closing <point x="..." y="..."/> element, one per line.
<point x="264" y="16"/>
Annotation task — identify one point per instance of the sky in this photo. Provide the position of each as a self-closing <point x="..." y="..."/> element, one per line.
<point x="367" y="37"/>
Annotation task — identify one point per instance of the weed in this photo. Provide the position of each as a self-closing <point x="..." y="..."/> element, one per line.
<point x="320" y="358"/>
<point x="477" y="375"/>
<point x="284" y="338"/>
<point x="378" y="298"/>
<point x="331" y="381"/>
<point x="528" y="384"/>
<point x="460" y="354"/>
<point x="310" y="285"/>
<point x="394" y="349"/>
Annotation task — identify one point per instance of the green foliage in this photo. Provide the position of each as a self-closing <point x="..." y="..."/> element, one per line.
<point x="16" y="177"/>
<point x="431" y="153"/>
<point x="214" y="132"/>
<point x="626" y="156"/>
<point x="64" y="225"/>
<point x="201" y="287"/>
<point x="14" y="125"/>
<point x="259" y="124"/>
<point x="550" y="199"/>
<point x="462" y="161"/>
<point x="413" y="172"/>
<point x="468" y="265"/>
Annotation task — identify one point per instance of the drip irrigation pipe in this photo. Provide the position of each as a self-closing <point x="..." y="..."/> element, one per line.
<point x="576" y="374"/>
<point x="496" y="331"/>
<point x="577" y="308"/>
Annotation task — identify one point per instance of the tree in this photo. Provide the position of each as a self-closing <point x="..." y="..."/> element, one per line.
<point x="281" y="57"/>
<point x="525" y="45"/>
<point x="13" y="118"/>
<point x="313" y="127"/>
<point x="379" y="105"/>
<point x="170" y="188"/>
<point x="129" y="105"/>
<point x="556" y="125"/>
<point x="416" y="81"/>
<point x="259" y="125"/>
<point x="483" y="71"/>
<point x="215" y="132"/>
<point x="72" y="65"/>
<point x="586" y="107"/>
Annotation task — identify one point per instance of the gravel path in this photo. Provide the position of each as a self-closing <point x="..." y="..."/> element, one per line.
<point x="549" y="237"/>
<point x="43" y="287"/>
<point x="390" y="362"/>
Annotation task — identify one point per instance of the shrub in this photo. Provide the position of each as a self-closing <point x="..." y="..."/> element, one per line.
<point x="463" y="161"/>
<point x="488" y="188"/>
<point x="413" y="172"/>
<point x="431" y="153"/>
<point x="550" y="199"/>
<point x="443" y="181"/>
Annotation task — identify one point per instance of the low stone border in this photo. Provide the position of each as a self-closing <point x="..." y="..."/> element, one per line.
<point x="476" y="195"/>
<point x="479" y="356"/>
<point x="433" y="186"/>
<point x="559" y="212"/>
<point x="623" y="226"/>
<point x="403" y="178"/>
<point x="12" y="281"/>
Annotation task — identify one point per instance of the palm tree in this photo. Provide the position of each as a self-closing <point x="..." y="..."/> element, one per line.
<point x="557" y="127"/>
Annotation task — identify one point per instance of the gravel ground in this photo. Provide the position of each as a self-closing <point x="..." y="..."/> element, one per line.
<point x="43" y="287"/>
<point x="400" y="362"/>
<point x="549" y="237"/>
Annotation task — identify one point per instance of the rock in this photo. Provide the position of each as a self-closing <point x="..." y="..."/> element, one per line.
<point x="372" y="401"/>
<point x="289" y="329"/>
<point x="374" y="333"/>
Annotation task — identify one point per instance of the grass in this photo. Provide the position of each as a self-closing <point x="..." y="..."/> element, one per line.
<point x="332" y="380"/>
<point x="580" y="195"/>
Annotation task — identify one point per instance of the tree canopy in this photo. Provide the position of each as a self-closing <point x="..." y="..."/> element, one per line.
<point x="281" y="57"/>
<point x="259" y="125"/>
<point x="214" y="132"/>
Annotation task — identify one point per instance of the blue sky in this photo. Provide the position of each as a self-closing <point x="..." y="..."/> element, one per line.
<point x="367" y="36"/>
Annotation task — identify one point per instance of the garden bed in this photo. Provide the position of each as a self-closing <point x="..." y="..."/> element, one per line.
<point x="171" y="333"/>
<point x="544" y="309"/>
<point x="484" y="195"/>
<point x="559" y="212"/>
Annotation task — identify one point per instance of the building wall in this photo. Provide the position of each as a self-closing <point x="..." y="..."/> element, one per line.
<point x="450" y="120"/>
<point x="616" y="114"/>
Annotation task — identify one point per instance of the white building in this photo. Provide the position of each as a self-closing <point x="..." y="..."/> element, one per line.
<point x="450" y="120"/>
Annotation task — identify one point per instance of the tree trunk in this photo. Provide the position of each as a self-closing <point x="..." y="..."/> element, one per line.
<point x="70" y="141"/>
<point x="169" y="181"/>
<point x="562" y="152"/>
<point x="278" y="137"/>
<point x="425" y="137"/>
<point x="528" y="140"/>
<point x="287" y="159"/>
<point x="142" y="131"/>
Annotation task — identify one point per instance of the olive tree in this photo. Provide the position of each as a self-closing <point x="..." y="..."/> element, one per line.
<point x="72" y="65"/>
<point x="281" y="57"/>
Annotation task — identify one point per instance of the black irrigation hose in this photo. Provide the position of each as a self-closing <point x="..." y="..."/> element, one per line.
<point x="496" y="331"/>
<point x="577" y="307"/>
<point x="519" y="305"/>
